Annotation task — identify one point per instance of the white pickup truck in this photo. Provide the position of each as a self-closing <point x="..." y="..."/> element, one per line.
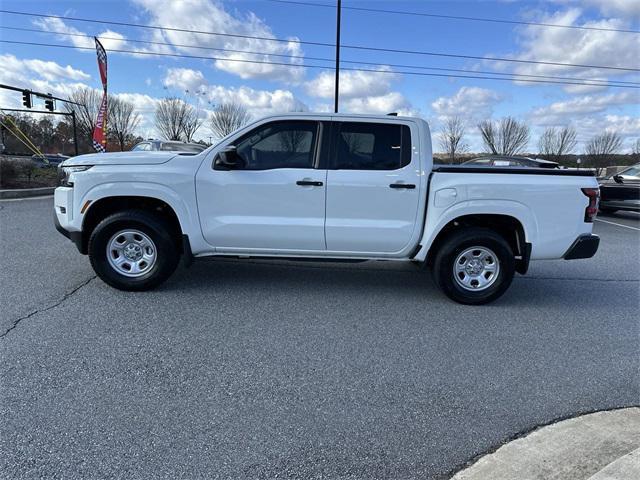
<point x="334" y="187"/>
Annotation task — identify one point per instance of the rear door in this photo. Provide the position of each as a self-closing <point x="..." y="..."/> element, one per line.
<point x="276" y="202"/>
<point x="373" y="187"/>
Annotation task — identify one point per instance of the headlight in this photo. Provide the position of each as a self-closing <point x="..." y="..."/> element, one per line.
<point x="64" y="173"/>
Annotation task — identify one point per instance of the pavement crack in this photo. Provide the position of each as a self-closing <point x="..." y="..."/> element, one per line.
<point x="57" y="303"/>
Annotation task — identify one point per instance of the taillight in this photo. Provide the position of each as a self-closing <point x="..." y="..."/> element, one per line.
<point x="592" y="209"/>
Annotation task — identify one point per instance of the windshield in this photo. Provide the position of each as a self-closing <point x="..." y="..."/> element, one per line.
<point x="181" y="147"/>
<point x="631" y="171"/>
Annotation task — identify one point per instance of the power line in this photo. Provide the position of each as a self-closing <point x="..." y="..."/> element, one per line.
<point x="303" y="57"/>
<point x="495" y="59"/>
<point x="199" y="57"/>
<point x="456" y="17"/>
<point x="304" y="42"/>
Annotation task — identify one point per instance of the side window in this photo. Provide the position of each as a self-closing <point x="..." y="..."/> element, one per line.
<point x="372" y="146"/>
<point x="141" y="147"/>
<point x="287" y="144"/>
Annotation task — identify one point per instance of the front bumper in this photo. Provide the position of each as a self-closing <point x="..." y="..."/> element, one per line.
<point x="585" y="246"/>
<point x="75" y="237"/>
<point x="64" y="216"/>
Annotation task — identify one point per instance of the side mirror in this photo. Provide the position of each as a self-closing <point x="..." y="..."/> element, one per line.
<point x="617" y="178"/>
<point x="228" y="159"/>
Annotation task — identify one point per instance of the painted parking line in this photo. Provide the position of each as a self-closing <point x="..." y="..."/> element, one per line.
<point x="617" y="224"/>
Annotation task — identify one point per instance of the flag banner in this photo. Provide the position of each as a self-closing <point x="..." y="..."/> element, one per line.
<point x="100" y="130"/>
<point x="102" y="63"/>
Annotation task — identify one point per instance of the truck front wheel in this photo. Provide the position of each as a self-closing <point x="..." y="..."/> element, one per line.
<point x="474" y="266"/>
<point x="133" y="250"/>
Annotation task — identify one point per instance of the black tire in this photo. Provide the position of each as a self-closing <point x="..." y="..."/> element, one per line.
<point x="457" y="243"/>
<point x="156" y="228"/>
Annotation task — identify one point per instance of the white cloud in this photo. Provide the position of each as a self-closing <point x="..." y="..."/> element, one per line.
<point x="582" y="47"/>
<point x="559" y="113"/>
<point x="360" y="92"/>
<point x="379" y="104"/>
<point x="145" y="106"/>
<point x="108" y="38"/>
<point x="209" y="16"/>
<point x="590" y="115"/>
<point x="610" y="7"/>
<point x="471" y="103"/>
<point x="352" y="84"/>
<point x="184" y="79"/>
<point x="259" y="103"/>
<point x="39" y="75"/>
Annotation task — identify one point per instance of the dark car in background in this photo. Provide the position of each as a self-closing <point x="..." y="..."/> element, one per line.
<point x="510" y="161"/>
<point x="621" y="191"/>
<point x="168" y="146"/>
<point x="47" y="160"/>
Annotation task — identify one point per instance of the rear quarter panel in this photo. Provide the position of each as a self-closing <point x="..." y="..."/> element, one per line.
<point x="550" y="208"/>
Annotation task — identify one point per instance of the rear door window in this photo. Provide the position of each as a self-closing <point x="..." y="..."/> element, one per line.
<point x="371" y="146"/>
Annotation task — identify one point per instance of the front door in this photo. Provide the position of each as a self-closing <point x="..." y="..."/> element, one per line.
<point x="275" y="200"/>
<point x="373" y="188"/>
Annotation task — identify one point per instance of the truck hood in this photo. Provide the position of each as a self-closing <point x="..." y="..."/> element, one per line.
<point x="120" y="158"/>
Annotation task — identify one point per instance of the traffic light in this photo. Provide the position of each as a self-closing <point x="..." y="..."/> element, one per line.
<point x="26" y="98"/>
<point x="49" y="105"/>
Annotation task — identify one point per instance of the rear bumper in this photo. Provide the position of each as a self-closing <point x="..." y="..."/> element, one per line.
<point x="585" y="246"/>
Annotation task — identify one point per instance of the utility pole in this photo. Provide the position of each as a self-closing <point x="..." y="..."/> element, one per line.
<point x="75" y="132"/>
<point x="336" y="94"/>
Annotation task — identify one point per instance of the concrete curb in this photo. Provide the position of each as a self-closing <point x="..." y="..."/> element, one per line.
<point x="574" y="449"/>
<point x="26" y="192"/>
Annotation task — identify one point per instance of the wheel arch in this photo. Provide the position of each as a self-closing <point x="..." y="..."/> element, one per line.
<point x="99" y="209"/>
<point x="510" y="227"/>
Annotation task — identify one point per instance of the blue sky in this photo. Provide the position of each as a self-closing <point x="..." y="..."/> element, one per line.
<point x="265" y="89"/>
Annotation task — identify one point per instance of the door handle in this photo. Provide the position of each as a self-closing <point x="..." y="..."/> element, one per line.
<point x="408" y="186"/>
<point x="309" y="183"/>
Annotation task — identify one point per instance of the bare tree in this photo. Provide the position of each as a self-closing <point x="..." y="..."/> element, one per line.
<point x="507" y="137"/>
<point x="635" y="150"/>
<point x="123" y="120"/>
<point x="489" y="134"/>
<point x="601" y="148"/>
<point x="228" y="117"/>
<point x="175" y="119"/>
<point x="451" y="137"/>
<point x="89" y="101"/>
<point x="554" y="143"/>
<point x="192" y="122"/>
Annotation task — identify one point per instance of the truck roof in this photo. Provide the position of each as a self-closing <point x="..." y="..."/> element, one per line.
<point x="345" y="115"/>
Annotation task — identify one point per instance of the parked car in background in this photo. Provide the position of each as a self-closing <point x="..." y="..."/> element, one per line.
<point x="506" y="161"/>
<point x="621" y="191"/>
<point x="48" y="160"/>
<point x="168" y="146"/>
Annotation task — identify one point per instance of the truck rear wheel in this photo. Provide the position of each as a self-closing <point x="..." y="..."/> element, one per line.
<point x="474" y="266"/>
<point x="133" y="250"/>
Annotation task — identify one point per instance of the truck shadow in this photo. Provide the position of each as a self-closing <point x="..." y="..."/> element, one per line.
<point x="388" y="281"/>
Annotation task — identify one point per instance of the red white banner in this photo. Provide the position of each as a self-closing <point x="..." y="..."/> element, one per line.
<point x="100" y="131"/>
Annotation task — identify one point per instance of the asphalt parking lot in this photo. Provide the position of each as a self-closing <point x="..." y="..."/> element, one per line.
<point x="262" y="369"/>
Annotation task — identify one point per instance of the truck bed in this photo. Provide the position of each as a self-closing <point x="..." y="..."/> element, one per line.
<point x="514" y="170"/>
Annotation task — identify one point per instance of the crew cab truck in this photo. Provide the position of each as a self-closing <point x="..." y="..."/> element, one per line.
<point x="334" y="187"/>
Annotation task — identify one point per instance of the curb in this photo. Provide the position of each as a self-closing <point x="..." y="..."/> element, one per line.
<point x="26" y="192"/>
<point x="574" y="449"/>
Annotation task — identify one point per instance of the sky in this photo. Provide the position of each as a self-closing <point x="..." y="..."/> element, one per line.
<point x="304" y="83"/>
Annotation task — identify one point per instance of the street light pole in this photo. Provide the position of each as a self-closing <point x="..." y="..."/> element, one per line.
<point x="337" y="84"/>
